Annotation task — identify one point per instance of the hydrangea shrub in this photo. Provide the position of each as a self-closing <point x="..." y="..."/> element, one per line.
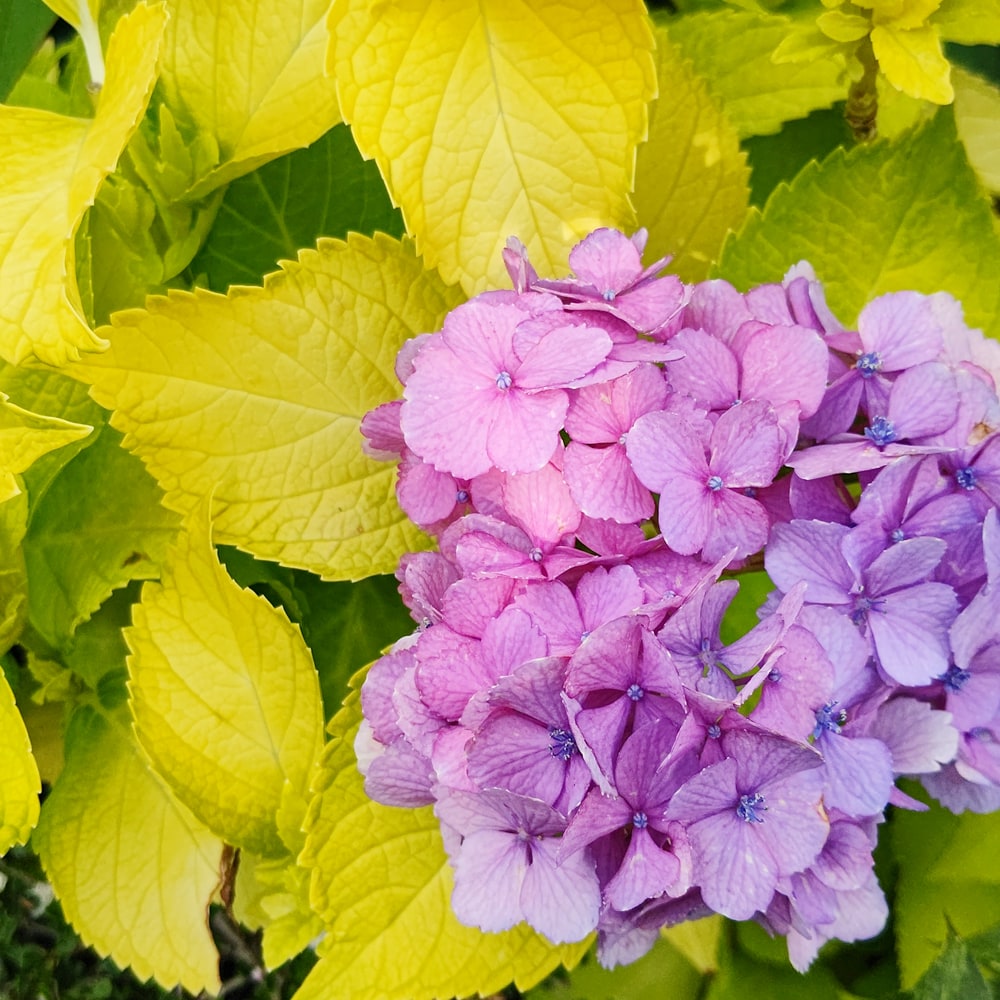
<point x="668" y="395"/>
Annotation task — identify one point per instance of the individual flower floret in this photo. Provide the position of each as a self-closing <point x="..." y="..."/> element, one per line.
<point x="707" y="487"/>
<point x="507" y="868"/>
<point x="752" y="818"/>
<point x="487" y="391"/>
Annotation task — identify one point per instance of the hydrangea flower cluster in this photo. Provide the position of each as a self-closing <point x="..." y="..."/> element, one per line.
<point x="592" y="455"/>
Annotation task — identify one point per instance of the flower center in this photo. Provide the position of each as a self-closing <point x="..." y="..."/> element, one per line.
<point x="881" y="432"/>
<point x="897" y="534"/>
<point x="504" y="381"/>
<point x="563" y="746"/>
<point x="862" y="605"/>
<point x="535" y="555"/>
<point x="462" y="496"/>
<point x="829" y="719"/>
<point x="956" y="678"/>
<point x="608" y="295"/>
<point x="640" y="820"/>
<point x="966" y="478"/>
<point x="714" y="731"/>
<point x="868" y="364"/>
<point x="714" y="483"/>
<point x="750" y="808"/>
<point x="635" y="692"/>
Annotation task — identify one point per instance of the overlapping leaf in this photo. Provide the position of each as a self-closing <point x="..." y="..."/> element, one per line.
<point x="19" y="780"/>
<point x="133" y="869"/>
<point x="977" y="111"/>
<point x="50" y="172"/>
<point x="504" y="117"/>
<point x="757" y="94"/>
<point x="224" y="694"/>
<point x="13" y="574"/>
<point x="382" y="885"/>
<point x="259" y="395"/>
<point x="26" y="436"/>
<point x="248" y="74"/>
<point x="98" y="525"/>
<point x="691" y="178"/>
<point x="881" y="218"/>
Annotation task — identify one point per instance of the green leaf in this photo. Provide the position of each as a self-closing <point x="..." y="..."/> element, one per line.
<point x="779" y="157"/>
<point x="741" y="976"/>
<point x="13" y="573"/>
<point x="23" y="25"/>
<point x="267" y="216"/>
<point x="224" y="695"/>
<point x="881" y="218"/>
<point x="381" y="883"/>
<point x="57" y="79"/>
<point x="133" y="869"/>
<point x="276" y="437"/>
<point x="969" y="22"/>
<point x="499" y="118"/>
<point x="98" y="525"/>
<point x="930" y="899"/>
<point x="953" y="976"/>
<point x="732" y="50"/>
<point x="691" y="177"/>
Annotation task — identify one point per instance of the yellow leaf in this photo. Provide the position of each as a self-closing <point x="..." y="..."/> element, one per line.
<point x="499" y="118"/>
<point x="249" y="73"/>
<point x="25" y="436"/>
<point x="382" y="885"/>
<point x="698" y="941"/>
<point x="19" y="780"/>
<point x="977" y="111"/>
<point x="691" y="177"/>
<point x="274" y="895"/>
<point x="13" y="570"/>
<point x="843" y="27"/>
<point x="259" y="394"/>
<point x="133" y="869"/>
<point x="224" y="694"/>
<point x="50" y="171"/>
<point x="913" y="62"/>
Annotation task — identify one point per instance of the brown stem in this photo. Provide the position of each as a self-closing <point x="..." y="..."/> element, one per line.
<point x="862" y="99"/>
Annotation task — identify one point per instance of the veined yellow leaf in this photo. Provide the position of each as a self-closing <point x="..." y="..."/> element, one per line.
<point x="249" y="73"/>
<point x="498" y="118"/>
<point x="19" y="780"/>
<point x="50" y="171"/>
<point x="25" y="436"/>
<point x="381" y="883"/>
<point x="259" y="394"/>
<point x="13" y="570"/>
<point x="691" y="177"/>
<point x="913" y="62"/>
<point x="224" y="694"/>
<point x="133" y="869"/>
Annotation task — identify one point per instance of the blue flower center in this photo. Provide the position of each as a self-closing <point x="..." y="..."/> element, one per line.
<point x="774" y="677"/>
<point x="897" y="534"/>
<point x="956" y="678"/>
<point x="535" y="555"/>
<point x="608" y="295"/>
<point x="966" y="478"/>
<point x="829" y="719"/>
<point x="504" y="381"/>
<point x="750" y="491"/>
<point x="714" y="483"/>
<point x="635" y="692"/>
<point x="868" y="364"/>
<point x="640" y="820"/>
<point x="863" y="605"/>
<point x="563" y="746"/>
<point x="462" y="496"/>
<point x="750" y="808"/>
<point x="881" y="432"/>
<point x="714" y="731"/>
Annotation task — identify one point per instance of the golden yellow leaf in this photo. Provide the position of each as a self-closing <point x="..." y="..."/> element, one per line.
<point x="25" y="436"/>
<point x="977" y="111"/>
<point x="499" y="118"/>
<point x="19" y="780"/>
<point x="259" y="394"/>
<point x="50" y="171"/>
<point x="691" y="177"/>
<point x="250" y="74"/>
<point x="913" y="62"/>
<point x="224" y="694"/>
<point x="133" y="869"/>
